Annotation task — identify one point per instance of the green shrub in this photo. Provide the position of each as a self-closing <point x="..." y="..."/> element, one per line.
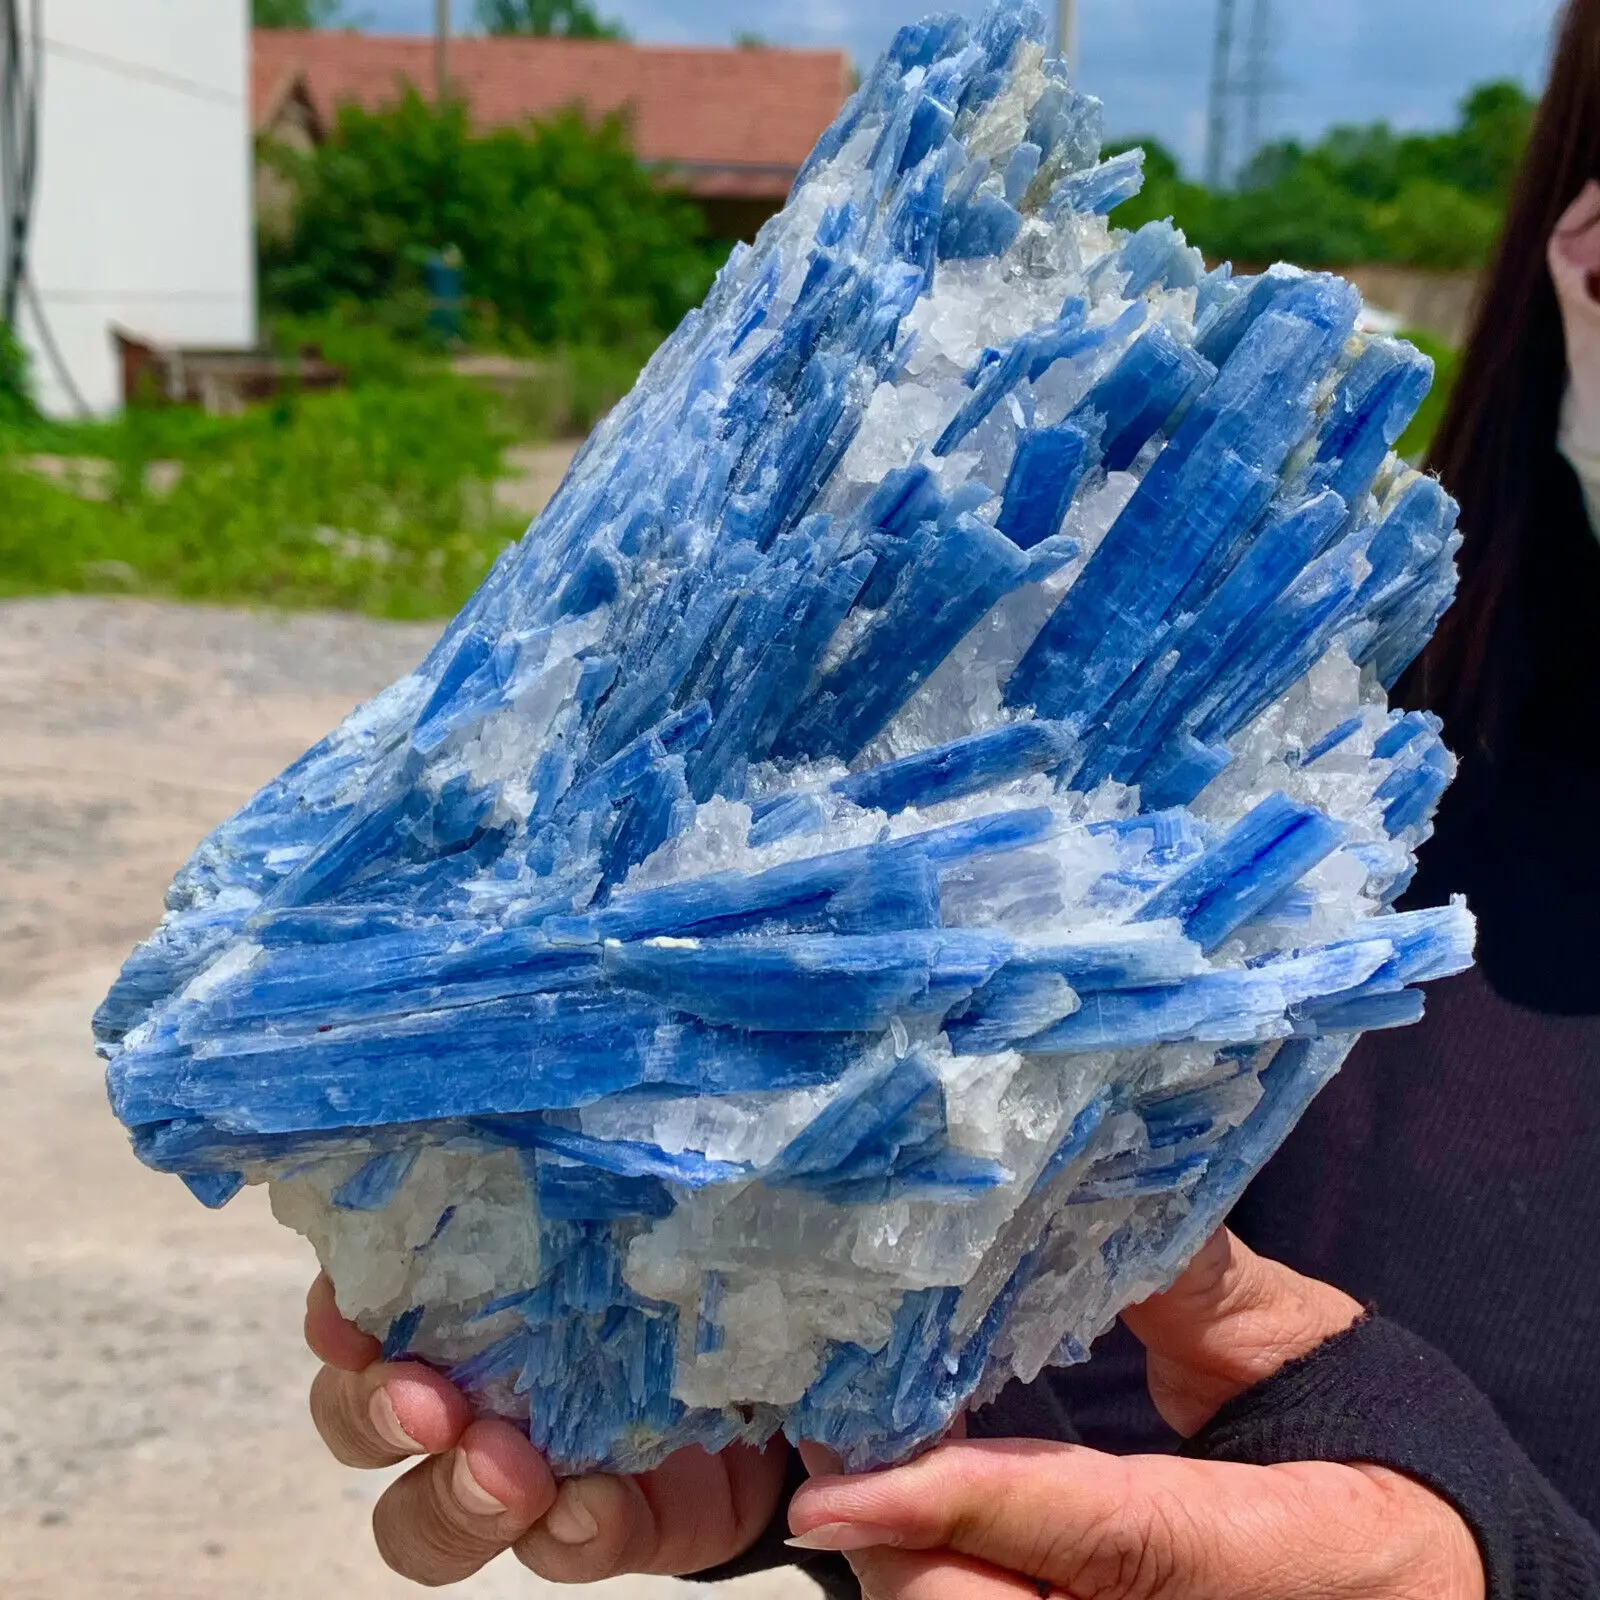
<point x="294" y="13"/>
<point x="1429" y="224"/>
<point x="1304" y="217"/>
<point x="16" y="387"/>
<point x="566" y="238"/>
<point x="546" y="19"/>
<point x="365" y="342"/>
<point x="1358" y="194"/>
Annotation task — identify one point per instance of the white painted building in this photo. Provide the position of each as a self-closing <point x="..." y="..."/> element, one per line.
<point x="143" y="218"/>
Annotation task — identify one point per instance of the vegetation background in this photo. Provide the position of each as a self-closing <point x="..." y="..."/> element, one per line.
<point x="576" y="262"/>
<point x="1360" y="194"/>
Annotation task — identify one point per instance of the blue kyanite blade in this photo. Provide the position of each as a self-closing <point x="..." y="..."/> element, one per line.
<point x="857" y="893"/>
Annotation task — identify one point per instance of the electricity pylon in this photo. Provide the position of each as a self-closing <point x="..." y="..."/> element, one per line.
<point x="1257" y="83"/>
<point x="1243" y="87"/>
<point x="1220" y="123"/>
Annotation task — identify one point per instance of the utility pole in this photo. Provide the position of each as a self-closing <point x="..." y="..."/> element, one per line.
<point x="441" y="50"/>
<point x="1258" y="78"/>
<point x="1217" y="134"/>
<point x="1067" y="33"/>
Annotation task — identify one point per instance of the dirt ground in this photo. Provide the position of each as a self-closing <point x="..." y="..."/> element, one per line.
<point x="154" y="1443"/>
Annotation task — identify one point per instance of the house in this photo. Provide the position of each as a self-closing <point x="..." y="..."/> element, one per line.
<point x="733" y="126"/>
<point x="142" y="216"/>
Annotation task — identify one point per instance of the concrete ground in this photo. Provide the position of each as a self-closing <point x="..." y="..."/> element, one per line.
<point x="154" y="1442"/>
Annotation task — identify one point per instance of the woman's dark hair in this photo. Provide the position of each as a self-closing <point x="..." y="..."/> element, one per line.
<point x="1523" y="517"/>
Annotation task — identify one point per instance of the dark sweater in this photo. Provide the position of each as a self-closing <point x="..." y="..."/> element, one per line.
<point x="1379" y="1394"/>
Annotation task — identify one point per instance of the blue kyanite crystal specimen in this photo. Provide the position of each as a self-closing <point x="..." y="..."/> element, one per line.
<point x="866" y="881"/>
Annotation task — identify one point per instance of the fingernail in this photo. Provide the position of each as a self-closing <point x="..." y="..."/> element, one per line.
<point x="843" y="1536"/>
<point x="470" y="1495"/>
<point x="569" y="1520"/>
<point x="381" y="1410"/>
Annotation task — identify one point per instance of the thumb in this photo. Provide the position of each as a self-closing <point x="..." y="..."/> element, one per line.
<point x="1133" y="1528"/>
<point x="1233" y="1319"/>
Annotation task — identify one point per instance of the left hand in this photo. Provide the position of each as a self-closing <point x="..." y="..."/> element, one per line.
<point x="1003" y="1519"/>
<point x="480" y="1488"/>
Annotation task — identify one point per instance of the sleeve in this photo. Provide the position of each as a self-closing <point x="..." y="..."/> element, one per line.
<point x="1380" y="1395"/>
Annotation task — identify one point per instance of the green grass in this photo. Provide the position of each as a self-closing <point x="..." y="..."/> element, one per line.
<point x="376" y="499"/>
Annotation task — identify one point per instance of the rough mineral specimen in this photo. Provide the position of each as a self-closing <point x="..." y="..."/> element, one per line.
<point x="856" y="894"/>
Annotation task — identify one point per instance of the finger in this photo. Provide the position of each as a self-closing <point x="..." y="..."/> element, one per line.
<point x="1232" y="1319"/>
<point x="389" y="1411"/>
<point x="598" y="1527"/>
<point x="694" y="1511"/>
<point x="452" y="1514"/>
<point x="333" y="1339"/>
<point x="1139" y="1528"/>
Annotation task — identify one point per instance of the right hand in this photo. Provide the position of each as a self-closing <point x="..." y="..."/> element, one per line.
<point x="1008" y="1519"/>
<point x="482" y="1487"/>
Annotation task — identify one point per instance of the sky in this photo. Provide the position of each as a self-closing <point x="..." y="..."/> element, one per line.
<point x="1406" y="61"/>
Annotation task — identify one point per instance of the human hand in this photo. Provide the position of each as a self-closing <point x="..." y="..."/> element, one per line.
<point x="482" y="1487"/>
<point x="1574" y="259"/>
<point x="998" y="1519"/>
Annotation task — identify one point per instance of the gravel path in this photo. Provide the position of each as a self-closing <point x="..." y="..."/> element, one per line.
<point x="153" y="1440"/>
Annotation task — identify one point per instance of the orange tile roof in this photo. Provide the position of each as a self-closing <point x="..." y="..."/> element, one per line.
<point x="738" y="122"/>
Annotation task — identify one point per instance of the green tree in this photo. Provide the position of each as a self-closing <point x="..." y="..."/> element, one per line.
<point x="1431" y="224"/>
<point x="566" y="238"/>
<point x="1304" y="217"/>
<point x="1165" y="192"/>
<point x="550" y="19"/>
<point x="1357" y="194"/>
<point x="1487" y="148"/>
<point x="294" y="13"/>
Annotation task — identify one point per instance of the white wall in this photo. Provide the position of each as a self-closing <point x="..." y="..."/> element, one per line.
<point x="143" y="215"/>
